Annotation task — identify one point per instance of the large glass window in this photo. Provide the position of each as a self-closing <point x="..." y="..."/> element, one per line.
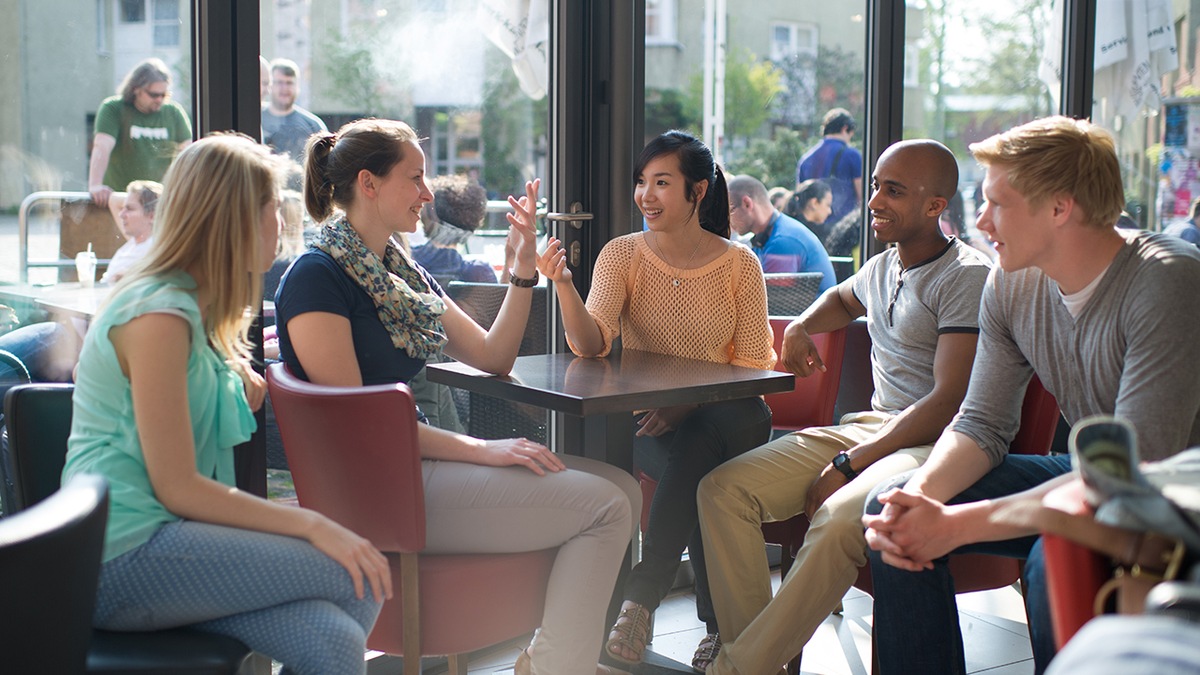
<point x="972" y="70"/>
<point x="54" y="77"/>
<point x="757" y="85"/>
<point x="1144" y="93"/>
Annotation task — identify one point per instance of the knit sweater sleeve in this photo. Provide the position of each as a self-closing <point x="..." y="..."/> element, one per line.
<point x="753" y="342"/>
<point x="608" y="297"/>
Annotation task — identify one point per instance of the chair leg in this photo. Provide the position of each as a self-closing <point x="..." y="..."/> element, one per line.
<point x="456" y="664"/>
<point x="411" y="603"/>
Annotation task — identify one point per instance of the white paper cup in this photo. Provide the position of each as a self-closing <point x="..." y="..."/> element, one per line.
<point x="85" y="267"/>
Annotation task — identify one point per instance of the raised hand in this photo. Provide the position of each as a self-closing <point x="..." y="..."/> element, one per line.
<point x="523" y="230"/>
<point x="552" y="263"/>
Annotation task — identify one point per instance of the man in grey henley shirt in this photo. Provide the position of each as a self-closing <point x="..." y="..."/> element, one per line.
<point x="1099" y="315"/>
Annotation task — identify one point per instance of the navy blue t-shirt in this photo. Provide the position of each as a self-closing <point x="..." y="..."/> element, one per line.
<point x="317" y="283"/>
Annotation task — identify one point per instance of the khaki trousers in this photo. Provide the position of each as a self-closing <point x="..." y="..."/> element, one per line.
<point x="768" y="484"/>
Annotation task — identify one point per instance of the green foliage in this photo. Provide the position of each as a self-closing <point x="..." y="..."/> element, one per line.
<point x="773" y="160"/>
<point x="751" y="85"/>
<point x="667" y="109"/>
<point x="352" y="66"/>
<point x="834" y="78"/>
<point x="510" y="123"/>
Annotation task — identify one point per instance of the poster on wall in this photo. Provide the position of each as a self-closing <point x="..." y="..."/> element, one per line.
<point x="1179" y="163"/>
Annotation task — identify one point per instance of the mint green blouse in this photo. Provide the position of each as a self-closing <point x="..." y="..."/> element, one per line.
<point x="104" y="438"/>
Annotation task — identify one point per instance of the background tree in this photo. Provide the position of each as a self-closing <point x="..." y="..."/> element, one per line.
<point x="751" y="85"/>
<point x="833" y="78"/>
<point x="773" y="159"/>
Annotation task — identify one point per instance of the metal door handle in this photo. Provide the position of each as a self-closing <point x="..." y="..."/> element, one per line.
<point x="575" y="218"/>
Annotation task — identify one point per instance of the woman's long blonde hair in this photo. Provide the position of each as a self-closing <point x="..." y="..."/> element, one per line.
<point x="209" y="218"/>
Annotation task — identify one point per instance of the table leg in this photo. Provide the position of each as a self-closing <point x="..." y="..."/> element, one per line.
<point x="609" y="438"/>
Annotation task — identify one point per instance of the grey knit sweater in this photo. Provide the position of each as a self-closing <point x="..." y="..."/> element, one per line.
<point x="1130" y="352"/>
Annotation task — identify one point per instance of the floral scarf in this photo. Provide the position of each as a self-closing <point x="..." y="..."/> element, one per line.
<point x="409" y="309"/>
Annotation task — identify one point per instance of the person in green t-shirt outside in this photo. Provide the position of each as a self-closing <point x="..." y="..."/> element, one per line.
<point x="138" y="132"/>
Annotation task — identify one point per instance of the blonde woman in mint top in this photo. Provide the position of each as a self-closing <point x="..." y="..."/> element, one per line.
<point x="164" y="391"/>
<point x="682" y="288"/>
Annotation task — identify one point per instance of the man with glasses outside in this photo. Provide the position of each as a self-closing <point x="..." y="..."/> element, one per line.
<point x="137" y="134"/>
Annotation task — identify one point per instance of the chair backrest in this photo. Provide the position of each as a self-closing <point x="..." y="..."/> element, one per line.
<point x="38" y="418"/>
<point x="1039" y="419"/>
<point x="487" y="416"/>
<point x="789" y="294"/>
<point x="49" y="564"/>
<point x="481" y="301"/>
<point x="354" y="456"/>
<point x="811" y="403"/>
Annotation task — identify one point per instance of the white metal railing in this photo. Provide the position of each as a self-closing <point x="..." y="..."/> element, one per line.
<point x="23" y="261"/>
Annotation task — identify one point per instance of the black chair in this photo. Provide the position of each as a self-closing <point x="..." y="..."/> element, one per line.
<point x="789" y="294"/>
<point x="486" y="416"/>
<point x="50" y="562"/>
<point x="12" y="372"/>
<point x="38" y="417"/>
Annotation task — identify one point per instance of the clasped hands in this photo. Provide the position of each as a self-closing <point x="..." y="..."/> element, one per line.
<point x="912" y="530"/>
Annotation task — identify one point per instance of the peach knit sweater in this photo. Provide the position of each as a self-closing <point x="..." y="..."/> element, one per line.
<point x="717" y="313"/>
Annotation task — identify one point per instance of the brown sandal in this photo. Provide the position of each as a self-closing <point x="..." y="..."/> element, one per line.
<point x="706" y="652"/>
<point x="630" y="632"/>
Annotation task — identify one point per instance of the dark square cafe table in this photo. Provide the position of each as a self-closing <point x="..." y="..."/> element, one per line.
<point x="599" y="397"/>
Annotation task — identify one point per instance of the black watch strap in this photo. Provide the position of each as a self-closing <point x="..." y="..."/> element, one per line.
<point x="841" y="462"/>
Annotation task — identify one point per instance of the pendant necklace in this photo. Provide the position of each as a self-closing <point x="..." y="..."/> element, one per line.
<point x="675" y="280"/>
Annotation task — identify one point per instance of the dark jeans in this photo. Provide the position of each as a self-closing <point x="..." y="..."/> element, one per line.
<point x="916" y="616"/>
<point x="678" y="460"/>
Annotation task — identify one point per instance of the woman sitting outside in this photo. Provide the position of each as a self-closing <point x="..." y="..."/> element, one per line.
<point x="680" y="288"/>
<point x="356" y="310"/>
<point x="164" y="391"/>
<point x="136" y="219"/>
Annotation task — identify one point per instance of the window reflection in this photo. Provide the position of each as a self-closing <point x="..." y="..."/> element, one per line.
<point x="56" y="75"/>
<point x="758" y="96"/>
<point x="1141" y="94"/>
<point x="973" y="70"/>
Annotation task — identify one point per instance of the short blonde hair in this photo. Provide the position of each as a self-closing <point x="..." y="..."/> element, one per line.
<point x="209" y="219"/>
<point x="1060" y="155"/>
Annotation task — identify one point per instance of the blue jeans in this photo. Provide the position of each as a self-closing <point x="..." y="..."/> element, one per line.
<point x="278" y="595"/>
<point x="678" y="460"/>
<point x="47" y="349"/>
<point x="916" y="616"/>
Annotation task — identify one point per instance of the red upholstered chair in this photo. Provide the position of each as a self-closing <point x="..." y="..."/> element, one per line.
<point x="354" y="457"/>
<point x="1074" y="573"/>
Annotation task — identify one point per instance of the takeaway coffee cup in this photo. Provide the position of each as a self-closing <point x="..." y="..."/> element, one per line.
<point x="85" y="267"/>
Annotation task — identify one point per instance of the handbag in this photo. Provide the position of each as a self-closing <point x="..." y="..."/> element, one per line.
<point x="1149" y="514"/>
<point x="1146" y="519"/>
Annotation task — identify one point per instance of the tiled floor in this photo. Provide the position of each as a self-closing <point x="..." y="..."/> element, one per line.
<point x="993" y="625"/>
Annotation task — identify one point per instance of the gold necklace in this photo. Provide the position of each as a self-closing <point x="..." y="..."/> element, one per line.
<point x="675" y="280"/>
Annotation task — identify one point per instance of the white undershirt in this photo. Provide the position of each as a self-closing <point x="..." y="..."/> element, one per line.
<point x="1075" y="302"/>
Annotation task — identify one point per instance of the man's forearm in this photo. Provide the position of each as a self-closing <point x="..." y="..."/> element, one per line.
<point x="829" y="313"/>
<point x="955" y="464"/>
<point x="920" y="424"/>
